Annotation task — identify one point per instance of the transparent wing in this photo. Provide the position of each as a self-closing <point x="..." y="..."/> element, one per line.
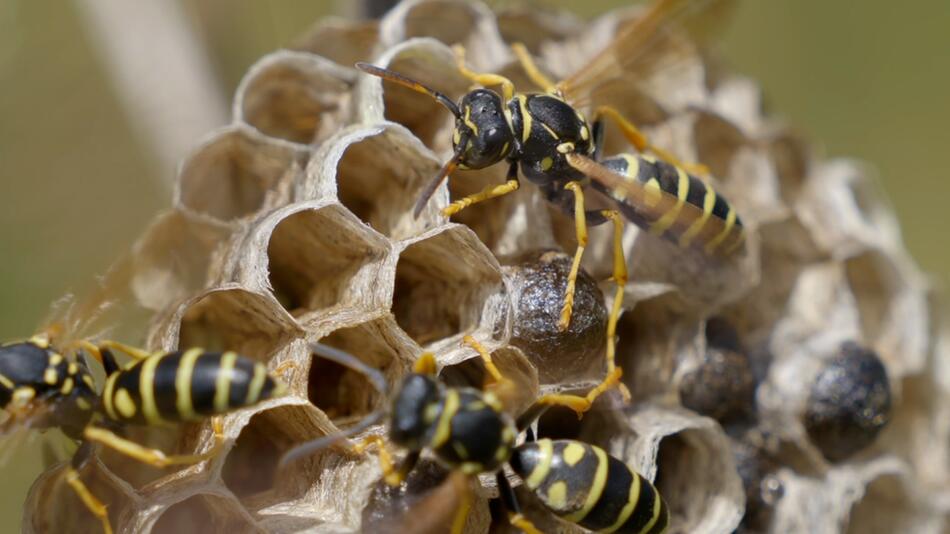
<point x="659" y="39"/>
<point x="17" y="427"/>
<point x="664" y="213"/>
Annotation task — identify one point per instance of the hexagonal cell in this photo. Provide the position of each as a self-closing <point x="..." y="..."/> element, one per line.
<point x="379" y="178"/>
<point x="172" y="258"/>
<point x="433" y="65"/>
<point x="689" y="474"/>
<point x="444" y="285"/>
<point x="235" y="319"/>
<point x="346" y="395"/>
<point x="250" y="470"/>
<point x="294" y="96"/>
<point x="342" y="41"/>
<point x="887" y="506"/>
<point x="471" y="24"/>
<point x="511" y="363"/>
<point x="532" y="27"/>
<point x="322" y="259"/>
<point x="52" y="505"/>
<point x="209" y="513"/>
<point x="236" y="173"/>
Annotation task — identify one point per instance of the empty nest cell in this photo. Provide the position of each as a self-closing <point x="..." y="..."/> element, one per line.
<point x="294" y="96"/>
<point x="321" y="259"/>
<point x="52" y="506"/>
<point x="432" y="65"/>
<point x="234" y="319"/>
<point x="342" y="41"/>
<point x="443" y="283"/>
<point x="344" y="394"/>
<point x="235" y="174"/>
<point x="207" y="513"/>
<point x="380" y="177"/>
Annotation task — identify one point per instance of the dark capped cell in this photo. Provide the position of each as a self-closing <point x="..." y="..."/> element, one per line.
<point x="723" y="385"/>
<point x="849" y="404"/>
<point x="762" y="488"/>
<point x="538" y="279"/>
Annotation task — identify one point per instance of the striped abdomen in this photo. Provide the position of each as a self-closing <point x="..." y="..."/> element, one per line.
<point x="583" y="484"/>
<point x="708" y="221"/>
<point x="186" y="386"/>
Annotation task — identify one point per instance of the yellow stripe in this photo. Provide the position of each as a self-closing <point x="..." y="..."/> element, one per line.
<point x="222" y="385"/>
<point x="736" y="243"/>
<point x="550" y="131"/>
<point x="716" y="241"/>
<point x="709" y="202"/>
<point x="573" y="453"/>
<point x="147" y="389"/>
<point x="682" y="189"/>
<point x="628" y="508"/>
<point x="596" y="488"/>
<point x="6" y="382"/>
<point x="654" y="192"/>
<point x="546" y="448"/>
<point x="656" y="511"/>
<point x="525" y="118"/>
<point x="257" y="384"/>
<point x="443" y="429"/>
<point x="633" y="166"/>
<point x="468" y="120"/>
<point x="186" y="368"/>
<point x="107" y="396"/>
<point x="67" y="386"/>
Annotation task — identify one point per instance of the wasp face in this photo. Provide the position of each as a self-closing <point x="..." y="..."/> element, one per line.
<point x="414" y="409"/>
<point x="484" y="130"/>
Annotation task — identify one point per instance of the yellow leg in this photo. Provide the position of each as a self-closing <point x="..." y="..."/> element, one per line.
<point x="493" y="371"/>
<point x="94" y="505"/>
<point x="579" y="404"/>
<point x="620" y="278"/>
<point x="641" y="143"/>
<point x="134" y="352"/>
<point x="484" y="79"/>
<point x="391" y="475"/>
<point x="492" y="191"/>
<point x="465" y="505"/>
<point x="149" y="456"/>
<point x="425" y="365"/>
<point x="580" y="223"/>
<point x="522" y="522"/>
<point x="532" y="70"/>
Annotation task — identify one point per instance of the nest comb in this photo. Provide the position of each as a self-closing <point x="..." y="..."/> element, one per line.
<point x="294" y="224"/>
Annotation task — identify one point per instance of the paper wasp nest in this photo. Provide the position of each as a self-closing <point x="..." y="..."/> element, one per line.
<point x="294" y="224"/>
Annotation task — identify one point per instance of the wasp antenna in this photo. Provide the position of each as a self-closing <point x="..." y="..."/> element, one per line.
<point x="395" y="77"/>
<point x="375" y="377"/>
<point x="443" y="174"/>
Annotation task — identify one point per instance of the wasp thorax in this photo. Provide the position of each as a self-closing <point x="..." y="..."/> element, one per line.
<point x="483" y="128"/>
<point x="414" y="409"/>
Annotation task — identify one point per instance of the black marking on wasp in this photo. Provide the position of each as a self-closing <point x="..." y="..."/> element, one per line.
<point x="469" y="432"/>
<point x="42" y="388"/>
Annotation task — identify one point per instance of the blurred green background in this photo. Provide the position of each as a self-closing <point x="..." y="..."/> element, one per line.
<point x="865" y="79"/>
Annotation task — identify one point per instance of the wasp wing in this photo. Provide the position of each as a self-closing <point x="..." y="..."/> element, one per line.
<point x="665" y="214"/>
<point x="661" y="37"/>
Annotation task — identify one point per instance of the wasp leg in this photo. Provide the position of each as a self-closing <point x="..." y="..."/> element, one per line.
<point x="641" y="143"/>
<point x="493" y="372"/>
<point x="620" y="278"/>
<point x="580" y="227"/>
<point x="484" y="79"/>
<point x="532" y="70"/>
<point x="150" y="456"/>
<point x="515" y="517"/>
<point x="492" y="191"/>
<point x="134" y="352"/>
<point x="391" y="475"/>
<point x="94" y="505"/>
<point x="465" y="506"/>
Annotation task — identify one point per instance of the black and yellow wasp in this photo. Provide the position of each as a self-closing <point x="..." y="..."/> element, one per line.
<point x="42" y="388"/>
<point x="558" y="149"/>
<point x="469" y="432"/>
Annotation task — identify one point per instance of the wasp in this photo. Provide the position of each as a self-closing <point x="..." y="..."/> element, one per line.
<point x="469" y="432"/>
<point x="558" y="149"/>
<point x="43" y="388"/>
